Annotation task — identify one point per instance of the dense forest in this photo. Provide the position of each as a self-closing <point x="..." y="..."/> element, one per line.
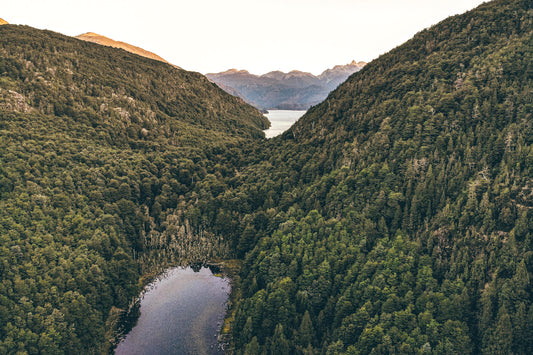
<point x="400" y="210"/>
<point x="394" y="217"/>
<point x="104" y="156"/>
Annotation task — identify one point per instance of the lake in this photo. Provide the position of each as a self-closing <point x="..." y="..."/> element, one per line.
<point x="281" y="120"/>
<point x="180" y="313"/>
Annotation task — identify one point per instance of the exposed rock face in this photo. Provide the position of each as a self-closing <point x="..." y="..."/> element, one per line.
<point x="13" y="101"/>
<point x="295" y="90"/>
<point x="3" y="22"/>
<point x="99" y="39"/>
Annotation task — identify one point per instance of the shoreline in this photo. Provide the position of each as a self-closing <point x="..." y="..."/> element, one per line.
<point x="219" y="267"/>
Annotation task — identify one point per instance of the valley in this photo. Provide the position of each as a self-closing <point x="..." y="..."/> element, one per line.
<point x="394" y="216"/>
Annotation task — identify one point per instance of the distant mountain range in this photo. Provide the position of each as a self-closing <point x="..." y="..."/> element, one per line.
<point x="105" y="41"/>
<point x="295" y="90"/>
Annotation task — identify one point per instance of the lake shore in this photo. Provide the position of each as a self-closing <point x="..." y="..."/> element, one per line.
<point x="226" y="270"/>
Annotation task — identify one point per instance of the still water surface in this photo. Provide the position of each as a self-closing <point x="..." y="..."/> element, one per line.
<point x="281" y="120"/>
<point x="181" y="313"/>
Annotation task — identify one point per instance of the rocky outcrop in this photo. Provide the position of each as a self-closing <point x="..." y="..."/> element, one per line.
<point x="13" y="101"/>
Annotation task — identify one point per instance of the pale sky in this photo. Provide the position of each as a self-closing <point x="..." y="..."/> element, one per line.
<point x="260" y="36"/>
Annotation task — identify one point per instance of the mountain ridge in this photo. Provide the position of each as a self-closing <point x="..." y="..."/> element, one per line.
<point x="105" y="41"/>
<point x="296" y="90"/>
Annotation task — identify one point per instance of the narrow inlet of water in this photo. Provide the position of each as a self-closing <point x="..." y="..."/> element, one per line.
<point x="281" y="120"/>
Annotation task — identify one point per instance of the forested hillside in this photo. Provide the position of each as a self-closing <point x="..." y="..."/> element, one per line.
<point x="397" y="216"/>
<point x="101" y="154"/>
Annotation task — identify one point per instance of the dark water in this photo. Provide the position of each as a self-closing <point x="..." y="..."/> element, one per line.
<point x="281" y="120"/>
<point x="181" y="313"/>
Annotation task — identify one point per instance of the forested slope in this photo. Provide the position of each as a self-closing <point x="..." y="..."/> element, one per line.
<point x="49" y="73"/>
<point x="397" y="216"/>
<point x="101" y="154"/>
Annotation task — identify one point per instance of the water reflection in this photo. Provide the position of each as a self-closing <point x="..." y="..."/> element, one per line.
<point x="180" y="313"/>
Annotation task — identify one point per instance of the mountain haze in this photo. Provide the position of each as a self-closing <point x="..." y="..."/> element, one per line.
<point x="295" y="90"/>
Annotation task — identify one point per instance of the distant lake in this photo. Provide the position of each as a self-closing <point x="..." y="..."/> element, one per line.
<point x="181" y="313"/>
<point x="281" y="120"/>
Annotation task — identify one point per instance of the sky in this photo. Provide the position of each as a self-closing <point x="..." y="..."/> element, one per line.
<point x="211" y="36"/>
